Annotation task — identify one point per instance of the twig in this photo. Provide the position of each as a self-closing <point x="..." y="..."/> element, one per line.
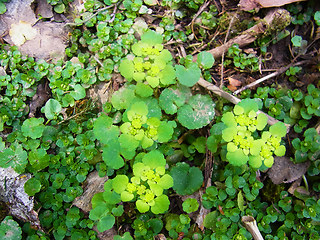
<point x="251" y="34"/>
<point x="280" y="71"/>
<point x="90" y="17"/>
<point x="197" y="15"/>
<point x="251" y="225"/>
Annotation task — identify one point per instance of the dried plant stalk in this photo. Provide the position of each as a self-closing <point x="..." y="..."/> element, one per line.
<point x="251" y="225"/>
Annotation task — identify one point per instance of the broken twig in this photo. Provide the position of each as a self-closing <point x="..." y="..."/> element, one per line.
<point x="274" y="17"/>
<point x="251" y="225"/>
<point x="280" y="71"/>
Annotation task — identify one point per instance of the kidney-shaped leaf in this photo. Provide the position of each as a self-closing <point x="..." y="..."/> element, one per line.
<point x="186" y="179"/>
<point x="197" y="113"/>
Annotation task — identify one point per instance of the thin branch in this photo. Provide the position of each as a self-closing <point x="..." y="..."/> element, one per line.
<point x="251" y="34"/>
<point x="90" y="17"/>
<point x="280" y="71"/>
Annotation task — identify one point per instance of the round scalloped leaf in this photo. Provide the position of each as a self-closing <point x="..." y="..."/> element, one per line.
<point x="190" y="205"/>
<point x="137" y="108"/>
<point x="237" y="158"/>
<point x="154" y="159"/>
<point x="165" y="56"/>
<point x="103" y="129"/>
<point x="268" y="162"/>
<point x="153" y="81"/>
<point x="143" y="90"/>
<point x="33" y="127"/>
<point x="123" y="98"/>
<point x="228" y="119"/>
<point x="280" y="151"/>
<point x="17" y="159"/>
<point x="166" y="181"/>
<point x="111" y="197"/>
<point x="78" y="93"/>
<point x="119" y="183"/>
<point x="126" y="196"/>
<point x="229" y="133"/>
<point x="231" y="147"/>
<point x="153" y="108"/>
<point x="142" y="206"/>
<point x="167" y="75"/>
<point x="188" y="76"/>
<point x="151" y="37"/>
<point x="106" y="223"/>
<point x="186" y="179"/>
<point x="197" y="113"/>
<point x="238" y="110"/>
<point x="155" y="188"/>
<point x="10" y="229"/>
<point x="111" y="154"/>
<point x="98" y="211"/>
<point x="262" y="120"/>
<point x="278" y="129"/>
<point x="255" y="161"/>
<point x="248" y="105"/>
<point x="165" y="131"/>
<point x="52" y="108"/>
<point x="32" y="186"/>
<point x="172" y="98"/>
<point x="138" y="169"/>
<point x="161" y="204"/>
<point x="126" y="68"/>
<point x="256" y="147"/>
<point x="205" y="60"/>
<point x="125" y="236"/>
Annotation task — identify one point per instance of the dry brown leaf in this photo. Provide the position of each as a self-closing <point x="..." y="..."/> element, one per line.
<point x="248" y="5"/>
<point x="285" y="171"/>
<point x="233" y="84"/>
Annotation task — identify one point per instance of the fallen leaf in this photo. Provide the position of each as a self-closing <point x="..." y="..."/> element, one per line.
<point x="285" y="171"/>
<point x="21" y="32"/>
<point x="233" y="84"/>
<point x="247" y="5"/>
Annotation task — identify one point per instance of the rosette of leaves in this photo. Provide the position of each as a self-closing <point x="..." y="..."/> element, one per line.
<point x="311" y="103"/>
<point x="240" y="133"/>
<point x="147" y="184"/>
<point x="137" y="130"/>
<point x="150" y="64"/>
<point x="146" y="187"/>
<point x="308" y="148"/>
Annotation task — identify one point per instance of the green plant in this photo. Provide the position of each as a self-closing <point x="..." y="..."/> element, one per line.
<point x="242" y="60"/>
<point x="291" y="73"/>
<point x="146" y="227"/>
<point x="146" y="187"/>
<point x="243" y="144"/>
<point x="308" y="148"/>
<point x="151" y="63"/>
<point x="10" y="229"/>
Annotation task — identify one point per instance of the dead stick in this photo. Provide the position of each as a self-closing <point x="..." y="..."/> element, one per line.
<point x="251" y="225"/>
<point x="280" y="71"/>
<point x="274" y="17"/>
